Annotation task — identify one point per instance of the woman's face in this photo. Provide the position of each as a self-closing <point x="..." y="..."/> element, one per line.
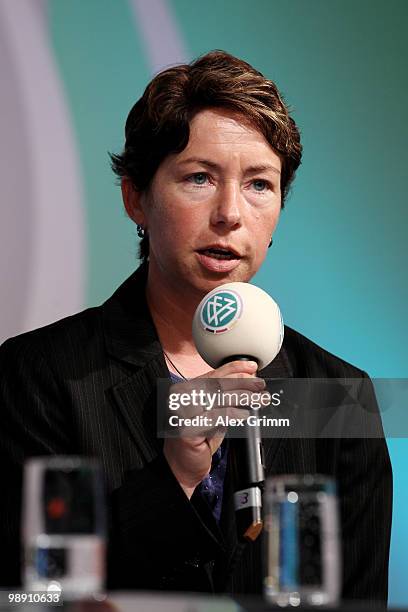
<point x="211" y="209"/>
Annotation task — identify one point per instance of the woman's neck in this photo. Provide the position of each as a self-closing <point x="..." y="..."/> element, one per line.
<point x="173" y="321"/>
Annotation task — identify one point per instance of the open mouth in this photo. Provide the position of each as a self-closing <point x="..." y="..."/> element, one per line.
<point x="219" y="253"/>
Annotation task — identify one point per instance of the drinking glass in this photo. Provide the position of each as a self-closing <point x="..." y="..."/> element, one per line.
<point x="64" y="526"/>
<point x="301" y="541"/>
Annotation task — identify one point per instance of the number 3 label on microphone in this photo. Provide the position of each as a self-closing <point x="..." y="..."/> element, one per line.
<point x="247" y="498"/>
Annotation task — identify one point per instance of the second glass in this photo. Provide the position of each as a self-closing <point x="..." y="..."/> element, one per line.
<point x="302" y="549"/>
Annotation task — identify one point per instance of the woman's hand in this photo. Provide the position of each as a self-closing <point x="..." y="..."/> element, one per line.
<point x="190" y="457"/>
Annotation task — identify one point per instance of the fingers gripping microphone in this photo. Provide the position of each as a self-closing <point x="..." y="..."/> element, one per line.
<point x="241" y="321"/>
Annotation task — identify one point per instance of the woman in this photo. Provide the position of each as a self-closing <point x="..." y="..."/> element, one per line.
<point x="209" y="157"/>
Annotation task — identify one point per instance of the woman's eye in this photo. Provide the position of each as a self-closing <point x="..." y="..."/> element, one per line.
<point x="260" y="185"/>
<point x="198" y="178"/>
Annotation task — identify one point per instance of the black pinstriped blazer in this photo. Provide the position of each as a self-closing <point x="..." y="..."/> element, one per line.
<point x="86" y="385"/>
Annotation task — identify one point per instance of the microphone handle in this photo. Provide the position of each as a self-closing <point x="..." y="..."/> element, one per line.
<point x="247" y="468"/>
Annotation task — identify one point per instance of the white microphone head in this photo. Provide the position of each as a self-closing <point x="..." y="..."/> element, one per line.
<point x="238" y="319"/>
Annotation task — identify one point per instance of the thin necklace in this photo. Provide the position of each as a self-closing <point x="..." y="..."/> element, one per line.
<point x="174" y="365"/>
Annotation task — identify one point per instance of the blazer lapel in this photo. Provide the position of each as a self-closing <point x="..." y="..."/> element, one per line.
<point x="279" y="368"/>
<point x="137" y="401"/>
<point x="131" y="339"/>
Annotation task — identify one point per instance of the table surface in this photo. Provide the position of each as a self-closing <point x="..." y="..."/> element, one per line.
<point x="174" y="602"/>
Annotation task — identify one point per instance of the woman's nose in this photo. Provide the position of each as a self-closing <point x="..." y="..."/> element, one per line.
<point x="227" y="206"/>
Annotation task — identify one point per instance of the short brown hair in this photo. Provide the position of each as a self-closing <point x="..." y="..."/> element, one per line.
<point x="158" y="124"/>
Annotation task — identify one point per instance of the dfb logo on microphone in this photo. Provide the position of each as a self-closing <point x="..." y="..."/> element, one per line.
<point x="220" y="311"/>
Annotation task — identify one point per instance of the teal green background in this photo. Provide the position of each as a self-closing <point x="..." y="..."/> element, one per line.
<point x="338" y="264"/>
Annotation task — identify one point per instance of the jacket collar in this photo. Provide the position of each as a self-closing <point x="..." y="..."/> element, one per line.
<point x="130" y="334"/>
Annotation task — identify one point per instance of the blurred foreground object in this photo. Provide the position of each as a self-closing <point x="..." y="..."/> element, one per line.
<point x="302" y="541"/>
<point x="64" y="526"/>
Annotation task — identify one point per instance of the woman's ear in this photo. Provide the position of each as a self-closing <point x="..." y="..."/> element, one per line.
<point x="132" y="200"/>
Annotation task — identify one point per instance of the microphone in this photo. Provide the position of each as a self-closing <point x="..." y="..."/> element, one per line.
<point x="241" y="321"/>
